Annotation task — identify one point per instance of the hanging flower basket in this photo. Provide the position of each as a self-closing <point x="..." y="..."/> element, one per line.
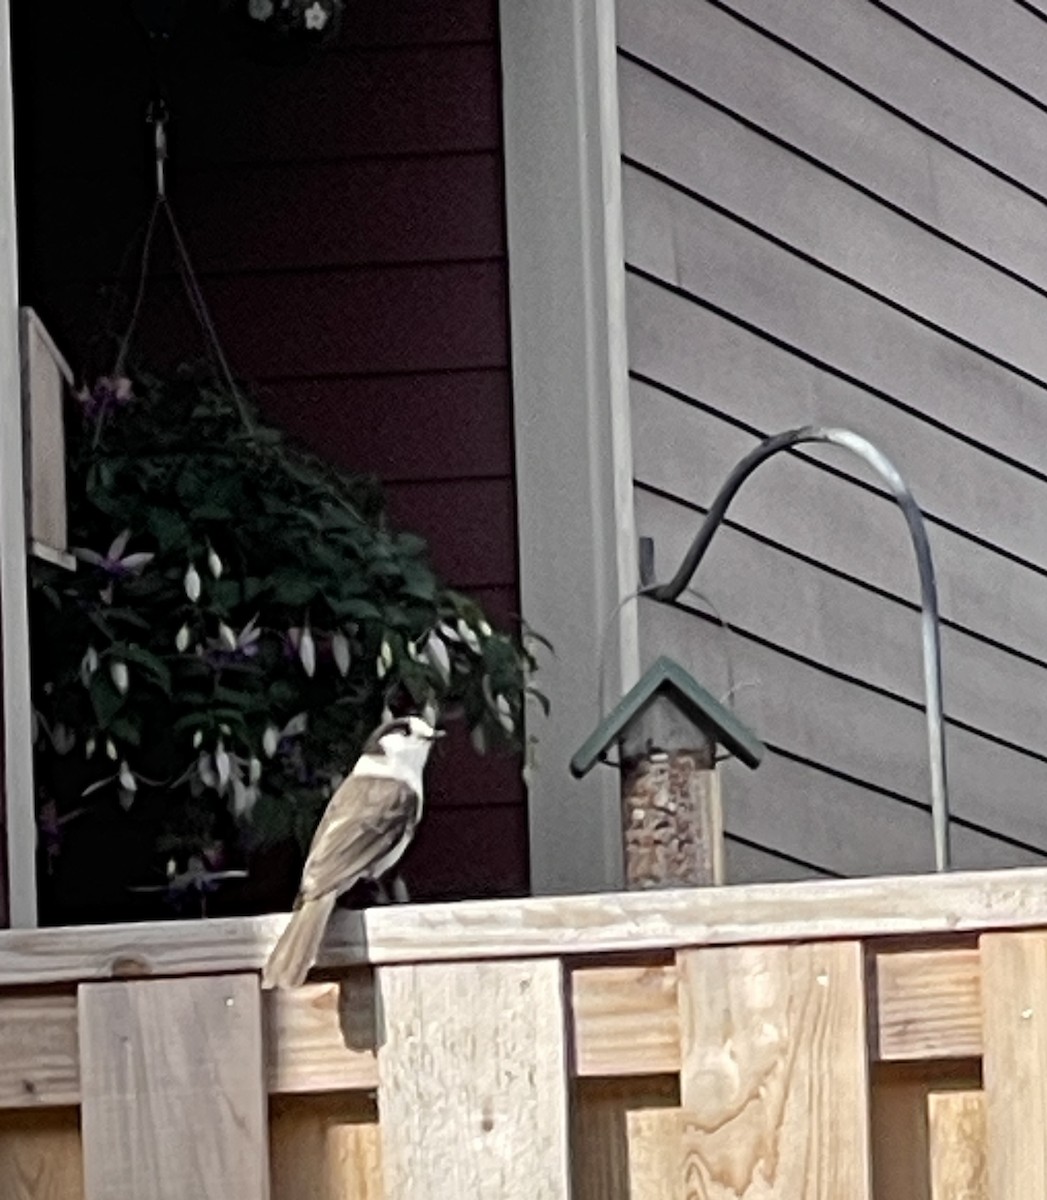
<point x="302" y="21"/>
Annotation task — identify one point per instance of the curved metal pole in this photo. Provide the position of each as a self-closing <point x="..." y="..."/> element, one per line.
<point x="932" y="656"/>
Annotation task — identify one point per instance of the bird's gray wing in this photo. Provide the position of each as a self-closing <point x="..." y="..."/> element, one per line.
<point x="365" y="819"/>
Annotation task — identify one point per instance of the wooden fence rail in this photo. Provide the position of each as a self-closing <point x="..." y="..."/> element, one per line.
<point x="868" y="1040"/>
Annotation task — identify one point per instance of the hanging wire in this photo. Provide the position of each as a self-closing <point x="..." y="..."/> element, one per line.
<point x="158" y="116"/>
<point x="733" y="688"/>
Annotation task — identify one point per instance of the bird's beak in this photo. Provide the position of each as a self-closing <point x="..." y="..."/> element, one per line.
<point x="438" y="733"/>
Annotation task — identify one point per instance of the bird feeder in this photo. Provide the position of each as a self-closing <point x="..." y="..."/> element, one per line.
<point x="667" y="729"/>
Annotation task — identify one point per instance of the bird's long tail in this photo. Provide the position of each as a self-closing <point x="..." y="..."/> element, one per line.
<point x="299" y="944"/>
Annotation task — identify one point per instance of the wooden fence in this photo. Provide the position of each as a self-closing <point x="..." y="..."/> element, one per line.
<point x="827" y="1041"/>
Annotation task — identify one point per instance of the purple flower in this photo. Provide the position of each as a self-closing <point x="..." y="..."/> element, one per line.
<point x="114" y="562"/>
<point x="108" y="393"/>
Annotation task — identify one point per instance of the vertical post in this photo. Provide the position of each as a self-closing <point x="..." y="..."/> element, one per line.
<point x="18" y="805"/>
<point x="956" y="1128"/>
<point x="472" y="1071"/>
<point x="1014" y="1064"/>
<point x="173" y="1097"/>
<point x="774" y="1072"/>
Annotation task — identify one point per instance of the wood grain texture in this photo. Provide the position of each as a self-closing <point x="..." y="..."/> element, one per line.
<point x="958" y="1147"/>
<point x="625" y="1138"/>
<point x="321" y="1037"/>
<point x="773" y="1076"/>
<point x="40" y="1157"/>
<point x="625" y="1020"/>
<point x="174" y="1100"/>
<point x="325" y="1148"/>
<point x="928" y="1004"/>
<point x="1014" y="1000"/>
<point x="473" y="1081"/>
<point x="656" y="1155"/>
<point x="40" y="1061"/>
<point x="630" y="923"/>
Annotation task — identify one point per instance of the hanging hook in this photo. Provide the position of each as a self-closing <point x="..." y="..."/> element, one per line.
<point x="158" y="117"/>
<point x="932" y="654"/>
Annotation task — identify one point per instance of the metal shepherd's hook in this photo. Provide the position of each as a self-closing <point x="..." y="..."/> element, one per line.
<point x="932" y="657"/>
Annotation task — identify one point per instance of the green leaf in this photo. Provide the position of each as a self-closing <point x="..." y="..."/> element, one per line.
<point x="105" y="699"/>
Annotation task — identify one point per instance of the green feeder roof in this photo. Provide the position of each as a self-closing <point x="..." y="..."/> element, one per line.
<point x="669" y="679"/>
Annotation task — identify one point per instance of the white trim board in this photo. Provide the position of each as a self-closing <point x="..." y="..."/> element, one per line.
<point x="14" y="613"/>
<point x="571" y="410"/>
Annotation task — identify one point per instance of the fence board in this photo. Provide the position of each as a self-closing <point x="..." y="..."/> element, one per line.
<point x="40" y="1156"/>
<point x="40" y="1064"/>
<point x="472" y="1068"/>
<point x="325" y="1148"/>
<point x="619" y="1129"/>
<point x="928" y="1005"/>
<point x="626" y="1020"/>
<point x="1014" y="997"/>
<point x="173" y="1098"/>
<point x="774" y="1073"/>
<point x="957" y="1136"/>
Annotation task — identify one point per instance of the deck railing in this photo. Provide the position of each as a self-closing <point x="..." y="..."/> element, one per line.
<point x="830" y="1041"/>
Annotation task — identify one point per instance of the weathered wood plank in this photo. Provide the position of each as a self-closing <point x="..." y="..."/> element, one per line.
<point x="928" y="1004"/>
<point x="781" y="192"/>
<point x="325" y="1148"/>
<point x="1014" y="987"/>
<point x="620" y="1130"/>
<point x="473" y="1081"/>
<point x="40" y="1156"/>
<point x="795" y="100"/>
<point x="45" y="379"/>
<point x="774" y="1077"/>
<point x="926" y="82"/>
<point x="173" y="1101"/>
<point x="629" y="923"/>
<point x="956" y="1122"/>
<point x="321" y="1037"/>
<point x="656" y="1157"/>
<point x="39" y="1051"/>
<point x="626" y="1020"/>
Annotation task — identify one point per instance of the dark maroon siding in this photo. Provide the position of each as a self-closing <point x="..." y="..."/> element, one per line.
<point x="346" y="214"/>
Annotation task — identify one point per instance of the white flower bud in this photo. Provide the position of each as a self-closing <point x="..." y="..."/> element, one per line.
<point x="484" y="628"/>
<point x="468" y="636"/>
<point x="127" y="798"/>
<point x="340" y="651"/>
<point x="127" y="779"/>
<point x="222" y="764"/>
<point x="214" y="563"/>
<point x="182" y="639"/>
<point x="120" y="675"/>
<point x="198" y="739"/>
<point x="437" y="653"/>
<point x="90" y="746"/>
<point x="270" y="740"/>
<point x="110" y="750"/>
<point x="226" y="636"/>
<point x="307" y="652"/>
<point x="88" y="665"/>
<point x="192" y="583"/>
<point x="255" y="769"/>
